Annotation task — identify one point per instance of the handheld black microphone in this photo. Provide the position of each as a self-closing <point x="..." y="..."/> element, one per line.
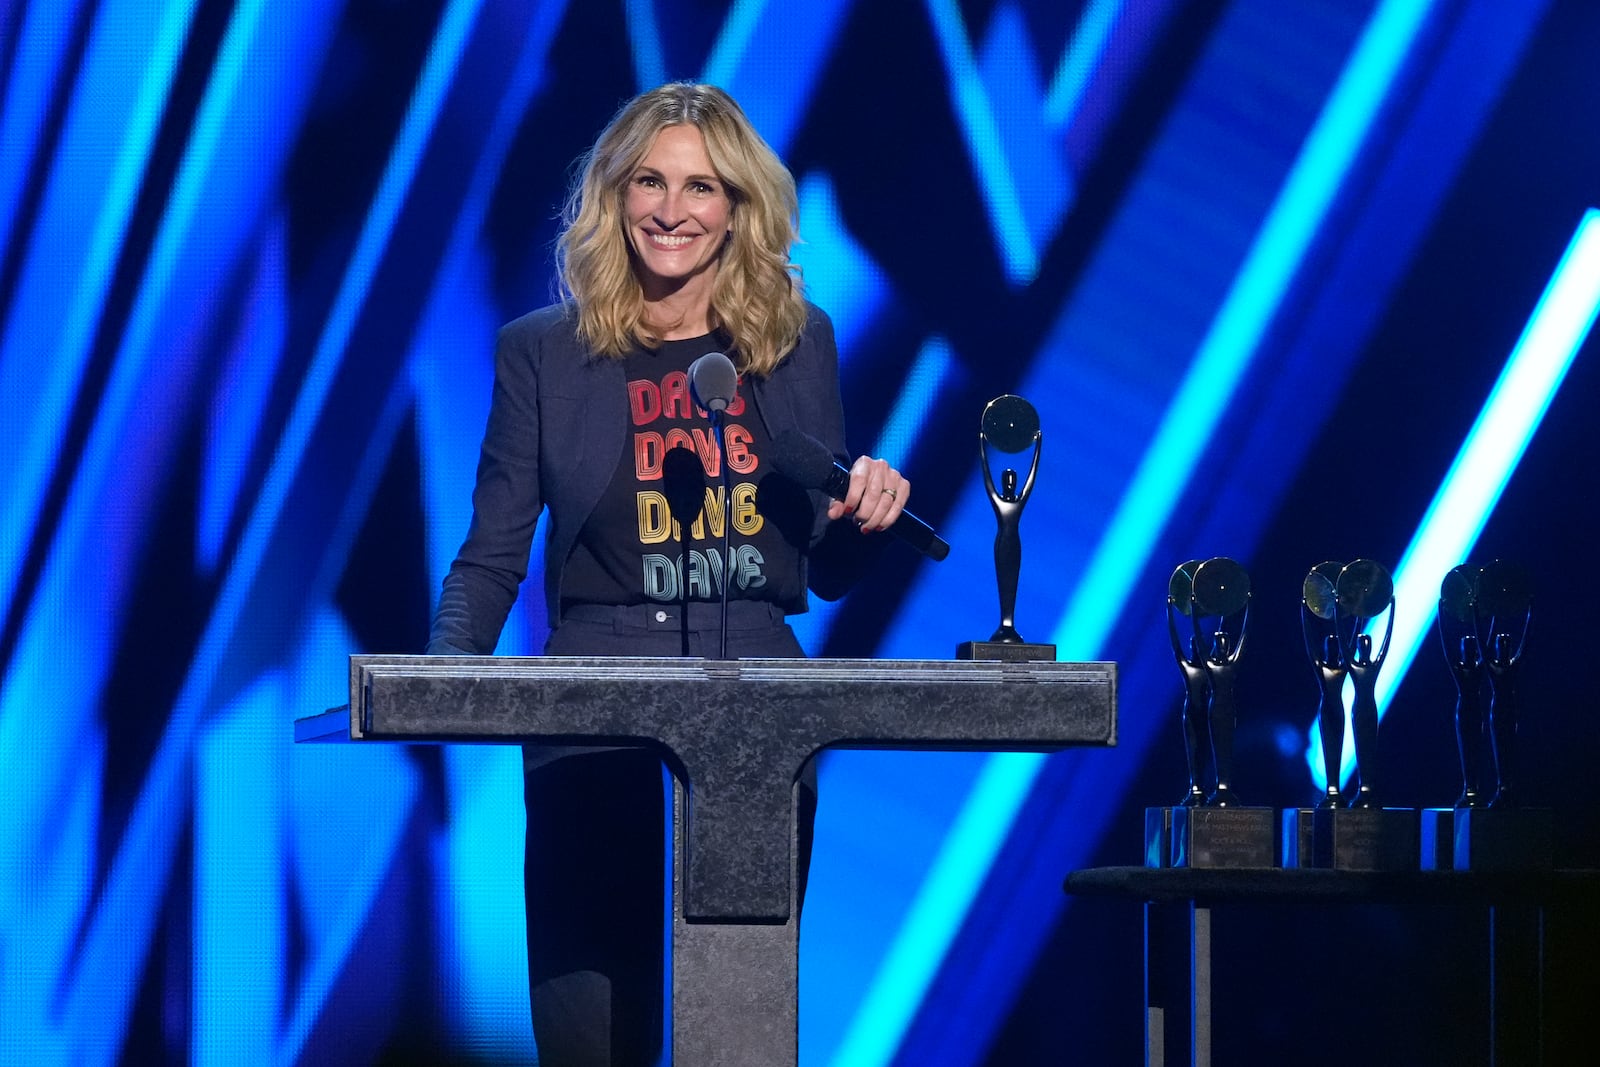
<point x="712" y="382"/>
<point x="807" y="462"/>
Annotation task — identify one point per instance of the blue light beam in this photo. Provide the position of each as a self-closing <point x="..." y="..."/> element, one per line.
<point x="1318" y="173"/>
<point x="1534" y="371"/>
<point x="981" y="128"/>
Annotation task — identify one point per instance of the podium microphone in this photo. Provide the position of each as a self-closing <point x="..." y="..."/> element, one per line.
<point x="807" y="462"/>
<point x="712" y="382"/>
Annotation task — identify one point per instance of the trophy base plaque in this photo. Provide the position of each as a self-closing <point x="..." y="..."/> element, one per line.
<point x="1232" y="837"/>
<point x="1518" y="839"/>
<point x="1006" y="651"/>
<point x="1158" y="837"/>
<point x="1364" y="839"/>
<point x="1297" y="836"/>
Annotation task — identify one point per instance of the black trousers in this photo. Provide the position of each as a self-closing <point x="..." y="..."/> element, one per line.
<point x="595" y="872"/>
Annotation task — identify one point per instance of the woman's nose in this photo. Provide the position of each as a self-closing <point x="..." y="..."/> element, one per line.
<point x="669" y="212"/>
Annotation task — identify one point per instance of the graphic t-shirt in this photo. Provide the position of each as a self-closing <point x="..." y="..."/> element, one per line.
<point x="656" y="535"/>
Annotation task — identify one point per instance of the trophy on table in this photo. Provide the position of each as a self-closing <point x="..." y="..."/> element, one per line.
<point x="1342" y="607"/>
<point x="1011" y="425"/>
<point x="1318" y="625"/>
<point x="1363" y="593"/>
<point x="1484" y="614"/>
<point x="1196" y="685"/>
<point x="1504" y="610"/>
<point x="1209" y="829"/>
<point x="1458" y="632"/>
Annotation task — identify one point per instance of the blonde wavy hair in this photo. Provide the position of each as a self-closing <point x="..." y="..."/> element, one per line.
<point x="757" y="296"/>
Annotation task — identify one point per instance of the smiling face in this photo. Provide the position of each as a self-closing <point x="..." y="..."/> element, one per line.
<point x="678" y="213"/>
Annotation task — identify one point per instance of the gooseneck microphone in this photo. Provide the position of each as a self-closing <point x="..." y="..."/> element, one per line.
<point x="713" y="380"/>
<point x="807" y="462"/>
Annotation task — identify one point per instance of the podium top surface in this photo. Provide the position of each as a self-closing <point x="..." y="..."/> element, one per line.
<point x="579" y="700"/>
<point x="735" y="732"/>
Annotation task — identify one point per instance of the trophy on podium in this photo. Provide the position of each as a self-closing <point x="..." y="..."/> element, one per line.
<point x="1209" y="829"/>
<point x="1011" y="425"/>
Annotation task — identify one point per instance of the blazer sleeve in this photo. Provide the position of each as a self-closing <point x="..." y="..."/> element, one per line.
<point x="839" y="554"/>
<point x="483" y="580"/>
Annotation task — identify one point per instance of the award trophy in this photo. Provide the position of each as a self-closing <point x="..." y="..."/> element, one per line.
<point x="1210" y="830"/>
<point x="1196" y="684"/>
<point x="1196" y="716"/>
<point x="1363" y="593"/>
<point x="1499" y="834"/>
<point x="1458" y="632"/>
<point x="1365" y="836"/>
<point x="1010" y="424"/>
<point x="1318" y="626"/>
<point x="1458" y="596"/>
<point x="1318" y="612"/>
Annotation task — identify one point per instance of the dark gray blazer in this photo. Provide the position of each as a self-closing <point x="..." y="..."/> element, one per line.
<point x="557" y="424"/>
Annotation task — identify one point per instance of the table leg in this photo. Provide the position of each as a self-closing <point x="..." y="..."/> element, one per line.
<point x="1516" y="985"/>
<point x="1177" y="984"/>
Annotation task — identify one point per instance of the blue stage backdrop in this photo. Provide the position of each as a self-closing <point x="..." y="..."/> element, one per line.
<point x="1259" y="264"/>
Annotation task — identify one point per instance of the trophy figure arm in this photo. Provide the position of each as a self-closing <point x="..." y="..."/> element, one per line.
<point x="988" y="477"/>
<point x="1522" y="639"/>
<point x="1033" y="468"/>
<point x="1244" y="628"/>
<point x="1388" y="632"/>
<point x="1306" y="631"/>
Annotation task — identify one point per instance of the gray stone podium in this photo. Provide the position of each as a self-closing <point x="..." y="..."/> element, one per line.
<point x="735" y="734"/>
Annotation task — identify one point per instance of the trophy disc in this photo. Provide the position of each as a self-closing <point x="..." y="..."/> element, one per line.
<point x="1504" y="589"/>
<point x="1318" y="589"/>
<point x="1459" y="591"/>
<point x="1364" y="589"/>
<point x="1010" y="423"/>
<point x="1221" y="587"/>
<point x="1180" y="587"/>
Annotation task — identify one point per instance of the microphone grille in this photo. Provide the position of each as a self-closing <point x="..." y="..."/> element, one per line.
<point x="802" y="459"/>
<point x="713" y="381"/>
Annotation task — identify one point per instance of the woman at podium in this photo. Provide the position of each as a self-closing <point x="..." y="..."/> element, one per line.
<point x="675" y="245"/>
